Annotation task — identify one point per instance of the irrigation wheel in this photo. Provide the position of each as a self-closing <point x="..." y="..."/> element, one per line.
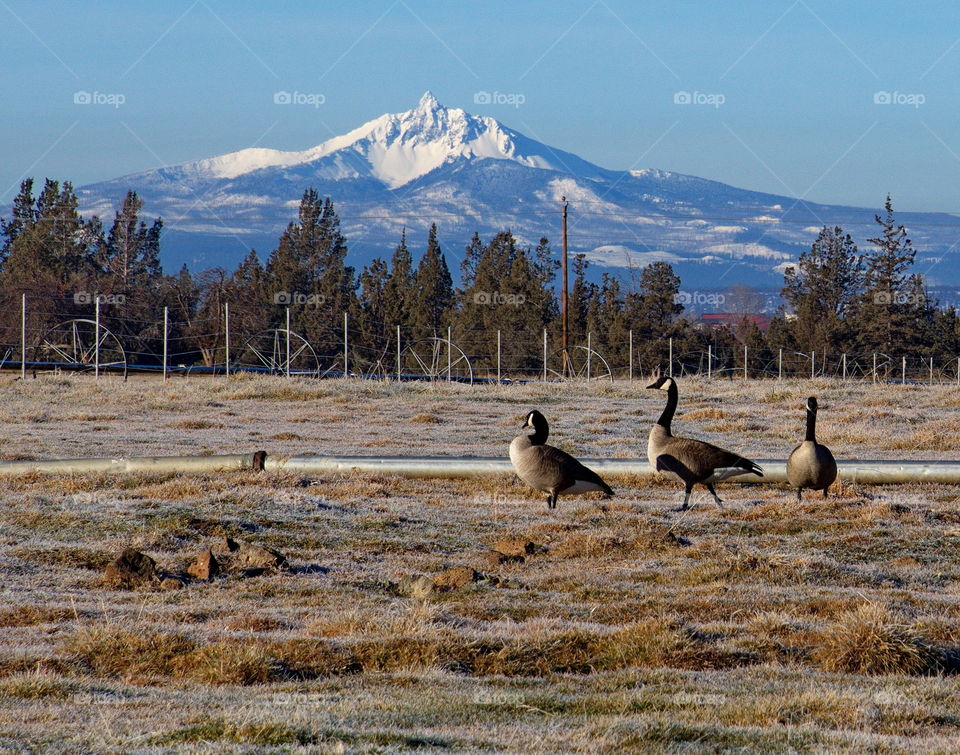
<point x="269" y="351"/>
<point x="583" y="364"/>
<point x="79" y="344"/>
<point x="436" y="359"/>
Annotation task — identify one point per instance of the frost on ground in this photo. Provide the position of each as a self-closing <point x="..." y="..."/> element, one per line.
<point x="768" y="625"/>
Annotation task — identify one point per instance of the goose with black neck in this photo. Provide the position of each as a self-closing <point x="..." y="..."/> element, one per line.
<point x="691" y="461"/>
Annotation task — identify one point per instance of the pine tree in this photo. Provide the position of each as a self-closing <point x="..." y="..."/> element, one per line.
<point x="373" y="324"/>
<point x="23" y="217"/>
<point x="606" y="321"/>
<point x="307" y="272"/>
<point x="398" y="292"/>
<point x="131" y="255"/>
<point x="471" y="259"/>
<point x="823" y="289"/>
<point x="506" y="293"/>
<point x="884" y="321"/>
<point x="247" y="293"/>
<point x="579" y="301"/>
<point x="652" y="313"/>
<point x="433" y="294"/>
<point x="51" y="254"/>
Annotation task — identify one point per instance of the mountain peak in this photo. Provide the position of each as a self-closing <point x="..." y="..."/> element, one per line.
<point x="429" y="102"/>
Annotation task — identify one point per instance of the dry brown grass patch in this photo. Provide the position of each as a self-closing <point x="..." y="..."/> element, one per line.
<point x="131" y="654"/>
<point x="196" y="424"/>
<point x="870" y="640"/>
<point x="426" y="418"/>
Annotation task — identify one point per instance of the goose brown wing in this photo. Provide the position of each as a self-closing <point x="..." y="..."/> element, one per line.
<point x="553" y="461"/>
<point x="702" y="458"/>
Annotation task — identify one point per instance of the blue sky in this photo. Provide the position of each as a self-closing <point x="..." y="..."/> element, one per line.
<point x="787" y="87"/>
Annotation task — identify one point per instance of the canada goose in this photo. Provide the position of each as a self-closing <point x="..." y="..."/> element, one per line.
<point x="547" y="468"/>
<point x="692" y="461"/>
<point x="811" y="465"/>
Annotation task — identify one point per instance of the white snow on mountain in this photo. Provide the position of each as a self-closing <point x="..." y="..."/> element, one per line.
<point x="395" y="148"/>
<point x="471" y="173"/>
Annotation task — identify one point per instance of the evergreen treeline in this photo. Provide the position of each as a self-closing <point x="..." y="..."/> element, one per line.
<point x="837" y="299"/>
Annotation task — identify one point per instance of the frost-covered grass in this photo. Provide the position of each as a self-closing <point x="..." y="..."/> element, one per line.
<point x="768" y="625"/>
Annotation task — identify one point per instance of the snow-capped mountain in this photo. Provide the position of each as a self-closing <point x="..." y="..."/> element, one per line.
<point x="472" y="173"/>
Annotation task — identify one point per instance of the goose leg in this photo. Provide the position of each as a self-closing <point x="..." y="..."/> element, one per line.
<point x="714" y="494"/>
<point x="552" y="501"/>
<point x="686" y="498"/>
<point x="799" y="495"/>
<point x="826" y="494"/>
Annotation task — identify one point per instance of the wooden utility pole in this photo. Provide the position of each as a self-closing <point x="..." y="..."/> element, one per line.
<point x="563" y="296"/>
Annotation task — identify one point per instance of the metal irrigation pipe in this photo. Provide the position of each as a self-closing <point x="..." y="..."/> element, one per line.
<point x="137" y="465"/>
<point x="862" y="471"/>
<point x="873" y="472"/>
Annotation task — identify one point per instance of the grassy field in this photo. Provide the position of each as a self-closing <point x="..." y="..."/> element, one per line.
<point x="765" y="626"/>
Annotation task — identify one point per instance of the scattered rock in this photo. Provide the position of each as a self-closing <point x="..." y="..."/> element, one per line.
<point x="171" y="582"/>
<point x="249" y="556"/>
<point x="417" y="586"/>
<point x="204" y="567"/>
<point x="678" y="539"/>
<point x="493" y="559"/>
<point x="457" y="577"/>
<point x="515" y="547"/>
<point x="131" y="569"/>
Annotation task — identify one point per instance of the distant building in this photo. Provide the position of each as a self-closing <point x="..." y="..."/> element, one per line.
<point x="732" y="320"/>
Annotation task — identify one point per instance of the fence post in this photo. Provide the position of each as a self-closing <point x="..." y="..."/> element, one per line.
<point x="903" y="371"/>
<point x="498" y="357"/>
<point x="226" y="342"/>
<point x="670" y="365"/>
<point x="709" y="360"/>
<point x="813" y="364"/>
<point x="844" y="365"/>
<point x="288" y="341"/>
<point x="746" y="375"/>
<point x="630" y="362"/>
<point x="346" y="347"/>
<point x="875" y="366"/>
<point x="589" y="352"/>
<point x="166" y="330"/>
<point x="780" y="365"/>
<point x="398" y="353"/>
<point x="449" y="347"/>
<point x="23" y="338"/>
<point x="931" y="370"/>
<point x="545" y="355"/>
<point x="96" y="339"/>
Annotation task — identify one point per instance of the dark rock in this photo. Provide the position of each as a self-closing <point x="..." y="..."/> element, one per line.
<point x="204" y="567"/>
<point x="131" y="569"/>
